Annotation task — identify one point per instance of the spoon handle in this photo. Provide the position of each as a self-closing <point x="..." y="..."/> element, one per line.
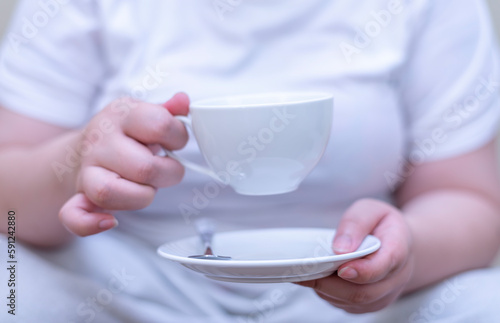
<point x="206" y="229"/>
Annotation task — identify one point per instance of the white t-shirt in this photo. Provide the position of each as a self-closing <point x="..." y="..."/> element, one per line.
<point x="412" y="81"/>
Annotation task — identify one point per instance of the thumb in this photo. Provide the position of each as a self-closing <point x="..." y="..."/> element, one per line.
<point x="178" y="104"/>
<point x="358" y="221"/>
<point x="82" y="217"/>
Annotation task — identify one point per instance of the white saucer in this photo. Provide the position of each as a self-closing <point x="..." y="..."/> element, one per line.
<point x="268" y="255"/>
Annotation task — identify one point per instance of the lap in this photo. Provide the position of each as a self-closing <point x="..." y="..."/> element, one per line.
<point x="98" y="279"/>
<point x="468" y="297"/>
<point x="115" y="278"/>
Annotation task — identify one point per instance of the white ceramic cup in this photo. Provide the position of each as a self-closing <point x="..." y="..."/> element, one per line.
<point x="260" y="144"/>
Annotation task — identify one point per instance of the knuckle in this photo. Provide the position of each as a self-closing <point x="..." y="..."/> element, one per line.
<point x="367" y="276"/>
<point x="146" y="170"/>
<point x="103" y="193"/>
<point x="395" y="261"/>
<point x="162" y="125"/>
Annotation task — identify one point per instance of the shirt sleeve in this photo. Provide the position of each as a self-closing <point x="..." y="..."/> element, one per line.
<point x="450" y="82"/>
<point x="50" y="61"/>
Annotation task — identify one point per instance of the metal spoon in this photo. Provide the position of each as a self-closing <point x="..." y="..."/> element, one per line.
<point x="206" y="230"/>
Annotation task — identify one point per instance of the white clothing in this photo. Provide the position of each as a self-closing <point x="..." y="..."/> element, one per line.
<point x="412" y="80"/>
<point x="126" y="281"/>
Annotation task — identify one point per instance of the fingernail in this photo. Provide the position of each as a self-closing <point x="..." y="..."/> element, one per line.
<point x="348" y="273"/>
<point x="108" y="224"/>
<point x="342" y="244"/>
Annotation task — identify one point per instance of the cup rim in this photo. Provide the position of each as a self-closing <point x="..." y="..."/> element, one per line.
<point x="274" y="99"/>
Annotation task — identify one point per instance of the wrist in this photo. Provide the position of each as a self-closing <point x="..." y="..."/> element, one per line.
<point x="65" y="159"/>
<point x="414" y="282"/>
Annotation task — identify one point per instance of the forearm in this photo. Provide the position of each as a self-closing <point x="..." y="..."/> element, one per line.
<point x="30" y="185"/>
<point x="453" y="231"/>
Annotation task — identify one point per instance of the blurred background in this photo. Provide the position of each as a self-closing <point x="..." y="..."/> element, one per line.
<point x="6" y="7"/>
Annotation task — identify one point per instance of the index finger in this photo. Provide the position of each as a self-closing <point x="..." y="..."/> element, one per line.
<point x="153" y="124"/>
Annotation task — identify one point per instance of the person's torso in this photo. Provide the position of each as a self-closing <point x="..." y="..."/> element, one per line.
<point x="353" y="50"/>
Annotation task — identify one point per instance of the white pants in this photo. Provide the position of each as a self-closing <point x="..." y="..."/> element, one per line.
<point x="112" y="277"/>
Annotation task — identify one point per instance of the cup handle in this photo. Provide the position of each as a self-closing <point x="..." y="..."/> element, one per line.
<point x="186" y="163"/>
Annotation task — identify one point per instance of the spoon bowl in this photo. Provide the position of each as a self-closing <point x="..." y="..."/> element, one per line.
<point x="210" y="257"/>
